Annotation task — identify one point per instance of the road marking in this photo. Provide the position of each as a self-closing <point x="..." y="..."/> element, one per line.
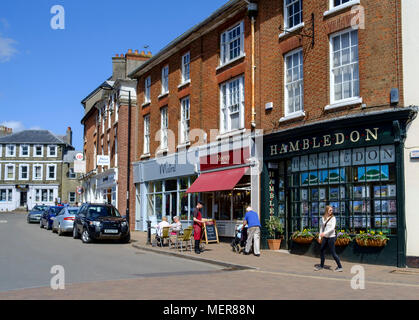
<point x="334" y="279"/>
<point x="3" y="221"/>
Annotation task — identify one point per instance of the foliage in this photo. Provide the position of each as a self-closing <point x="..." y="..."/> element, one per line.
<point x="306" y="233"/>
<point x="274" y="227"/>
<point x="371" y="235"/>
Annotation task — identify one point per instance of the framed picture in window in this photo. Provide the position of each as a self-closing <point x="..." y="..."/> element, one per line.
<point x="322" y="193"/>
<point x="333" y="193"/>
<point x="304" y="195"/>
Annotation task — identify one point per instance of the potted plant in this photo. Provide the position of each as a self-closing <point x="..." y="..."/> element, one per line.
<point x="370" y="238"/>
<point x="275" y="230"/>
<point x="342" y="238"/>
<point x="305" y="236"/>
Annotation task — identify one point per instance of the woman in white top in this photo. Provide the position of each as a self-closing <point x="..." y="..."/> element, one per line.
<point x="328" y="238"/>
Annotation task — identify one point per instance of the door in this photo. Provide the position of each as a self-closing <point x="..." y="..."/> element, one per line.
<point x="23" y="198"/>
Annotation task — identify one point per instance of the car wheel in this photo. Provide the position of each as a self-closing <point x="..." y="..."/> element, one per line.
<point x="85" y="237"/>
<point x="75" y="233"/>
<point x="40" y="224"/>
<point x="126" y="239"/>
<point x="59" y="231"/>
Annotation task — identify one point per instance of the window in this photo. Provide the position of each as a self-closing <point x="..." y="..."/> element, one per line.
<point x="232" y="105"/>
<point x="115" y="141"/>
<point x="1" y="150"/>
<point x="9" y="172"/>
<point x="23" y="172"/>
<point x="71" y="197"/>
<point x="165" y="80"/>
<point x="10" y="150"/>
<point x="293" y="13"/>
<point x="51" y="171"/>
<point x="184" y="120"/>
<point x="147" y="86"/>
<point x="24" y="150"/>
<point x="6" y="195"/>
<point x="232" y="44"/>
<point x="186" y="59"/>
<point x="38" y="151"/>
<point x="164" y="127"/>
<point x="337" y="3"/>
<point x="37" y="172"/>
<point x="71" y="174"/>
<point x="52" y="151"/>
<point x="344" y="73"/>
<point x="147" y="134"/>
<point x="294" y="87"/>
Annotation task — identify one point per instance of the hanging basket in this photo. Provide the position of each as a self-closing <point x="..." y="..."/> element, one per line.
<point x="371" y="242"/>
<point x="303" y="240"/>
<point x="341" y="242"/>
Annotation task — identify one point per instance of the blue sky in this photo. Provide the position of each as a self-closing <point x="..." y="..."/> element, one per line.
<point x="45" y="73"/>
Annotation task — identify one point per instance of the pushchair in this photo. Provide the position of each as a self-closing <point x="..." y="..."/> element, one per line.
<point x="239" y="242"/>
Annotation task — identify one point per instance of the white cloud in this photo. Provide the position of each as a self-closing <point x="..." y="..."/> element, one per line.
<point x="7" y="49"/>
<point x="15" y="125"/>
<point x="5" y="23"/>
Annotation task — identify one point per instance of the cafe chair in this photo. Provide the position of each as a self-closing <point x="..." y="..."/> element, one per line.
<point x="165" y="235"/>
<point x="185" y="238"/>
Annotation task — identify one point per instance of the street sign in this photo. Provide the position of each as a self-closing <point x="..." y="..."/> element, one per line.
<point x="79" y="190"/>
<point x="79" y="156"/>
<point x="103" y="160"/>
<point x="79" y="166"/>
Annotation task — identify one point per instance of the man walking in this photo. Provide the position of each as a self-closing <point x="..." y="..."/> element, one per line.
<point x="253" y="231"/>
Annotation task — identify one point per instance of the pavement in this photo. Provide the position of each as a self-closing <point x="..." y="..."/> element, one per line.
<point x="275" y="275"/>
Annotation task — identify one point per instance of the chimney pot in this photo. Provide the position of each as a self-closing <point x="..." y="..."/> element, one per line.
<point x="129" y="50"/>
<point x="136" y="51"/>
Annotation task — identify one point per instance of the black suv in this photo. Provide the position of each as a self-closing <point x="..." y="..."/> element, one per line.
<point x="100" y="221"/>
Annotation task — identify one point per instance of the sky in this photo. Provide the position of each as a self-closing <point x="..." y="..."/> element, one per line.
<point x="48" y="65"/>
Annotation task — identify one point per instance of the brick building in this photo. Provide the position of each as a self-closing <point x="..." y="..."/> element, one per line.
<point x="326" y="80"/>
<point x="106" y="126"/>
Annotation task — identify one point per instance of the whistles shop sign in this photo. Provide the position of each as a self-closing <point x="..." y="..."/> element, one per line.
<point x="338" y="139"/>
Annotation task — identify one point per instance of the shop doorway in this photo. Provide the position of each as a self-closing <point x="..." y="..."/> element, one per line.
<point x="23" y="198"/>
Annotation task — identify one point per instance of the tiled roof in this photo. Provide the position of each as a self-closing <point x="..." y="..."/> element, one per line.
<point x="32" y="137"/>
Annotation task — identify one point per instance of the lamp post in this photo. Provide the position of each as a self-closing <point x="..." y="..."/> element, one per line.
<point x="106" y="86"/>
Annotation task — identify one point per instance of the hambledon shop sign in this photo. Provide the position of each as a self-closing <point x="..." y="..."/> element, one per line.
<point x="343" y="138"/>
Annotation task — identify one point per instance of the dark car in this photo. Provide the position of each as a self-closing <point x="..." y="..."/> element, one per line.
<point x="35" y="214"/>
<point x="48" y="216"/>
<point x="100" y="221"/>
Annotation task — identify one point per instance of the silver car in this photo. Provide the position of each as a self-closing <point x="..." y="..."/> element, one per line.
<point x="64" y="220"/>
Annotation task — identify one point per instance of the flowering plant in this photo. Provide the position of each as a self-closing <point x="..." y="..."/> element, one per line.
<point x="342" y="234"/>
<point x="370" y="237"/>
<point x="306" y="233"/>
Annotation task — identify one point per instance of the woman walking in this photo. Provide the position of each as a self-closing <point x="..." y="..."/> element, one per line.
<point x="327" y="237"/>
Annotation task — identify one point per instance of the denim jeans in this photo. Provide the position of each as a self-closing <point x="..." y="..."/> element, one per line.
<point x="329" y="242"/>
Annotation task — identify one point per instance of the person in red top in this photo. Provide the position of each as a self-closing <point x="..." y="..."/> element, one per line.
<point x="197" y="226"/>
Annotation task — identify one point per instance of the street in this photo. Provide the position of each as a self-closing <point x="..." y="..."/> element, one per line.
<point x="124" y="271"/>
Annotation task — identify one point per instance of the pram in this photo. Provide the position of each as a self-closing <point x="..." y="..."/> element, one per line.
<point x="239" y="242"/>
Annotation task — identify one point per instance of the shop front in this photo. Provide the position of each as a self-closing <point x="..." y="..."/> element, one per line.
<point x="106" y="187"/>
<point x="225" y="186"/>
<point x="161" y="186"/>
<point x="354" y="165"/>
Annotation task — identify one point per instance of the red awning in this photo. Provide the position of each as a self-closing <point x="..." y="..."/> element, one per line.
<point x="218" y="180"/>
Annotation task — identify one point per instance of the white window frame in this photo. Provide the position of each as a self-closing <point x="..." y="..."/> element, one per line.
<point x="6" y="172"/>
<point x="21" y="150"/>
<point x="286" y="16"/>
<point x="226" y="41"/>
<point x="185" y="117"/>
<point x="0" y="169"/>
<point x="298" y="82"/>
<point x="21" y="166"/>
<point x="186" y="68"/>
<point x="226" y="105"/>
<point x="353" y="99"/>
<point x="147" y="90"/>
<point x="333" y="9"/>
<point x="146" y="147"/>
<point x="164" y="126"/>
<point x="8" y="154"/>
<point x="55" y="172"/>
<point x="1" y="150"/>
<point x="34" y="177"/>
<point x="49" y="155"/>
<point x="115" y="141"/>
<point x="70" y="196"/>
<point x="34" y="150"/>
<point x="165" y="80"/>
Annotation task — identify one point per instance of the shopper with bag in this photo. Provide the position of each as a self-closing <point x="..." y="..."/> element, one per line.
<point x="327" y="238"/>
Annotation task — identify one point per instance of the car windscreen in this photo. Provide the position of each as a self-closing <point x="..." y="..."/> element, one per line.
<point x="102" y="211"/>
<point x="73" y="210"/>
<point x="40" y="208"/>
<point x="55" y="210"/>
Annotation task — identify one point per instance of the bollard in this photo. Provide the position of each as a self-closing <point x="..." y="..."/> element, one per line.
<point x="148" y="232"/>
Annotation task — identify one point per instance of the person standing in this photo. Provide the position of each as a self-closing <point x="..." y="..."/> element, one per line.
<point x="328" y="238"/>
<point x="252" y="221"/>
<point x="197" y="226"/>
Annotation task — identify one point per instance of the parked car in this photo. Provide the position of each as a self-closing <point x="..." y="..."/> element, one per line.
<point x="100" y="221"/>
<point x="48" y="217"/>
<point x="64" y="220"/>
<point x="35" y="214"/>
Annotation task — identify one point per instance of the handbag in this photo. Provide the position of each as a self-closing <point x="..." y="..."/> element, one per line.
<point x="319" y="240"/>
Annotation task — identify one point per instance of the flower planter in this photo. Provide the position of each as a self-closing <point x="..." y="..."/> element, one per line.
<point x="274" y="244"/>
<point x="342" y="242"/>
<point x="371" y="242"/>
<point x="303" y="240"/>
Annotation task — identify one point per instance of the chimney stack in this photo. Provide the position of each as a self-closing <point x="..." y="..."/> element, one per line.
<point x="69" y="135"/>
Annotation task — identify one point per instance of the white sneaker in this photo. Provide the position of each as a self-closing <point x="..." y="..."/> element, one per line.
<point x="339" y="269"/>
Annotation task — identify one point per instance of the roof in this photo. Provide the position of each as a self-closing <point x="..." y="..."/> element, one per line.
<point x="32" y="137"/>
<point x="70" y="156"/>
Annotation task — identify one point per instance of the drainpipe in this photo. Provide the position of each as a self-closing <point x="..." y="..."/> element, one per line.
<point x="252" y="10"/>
